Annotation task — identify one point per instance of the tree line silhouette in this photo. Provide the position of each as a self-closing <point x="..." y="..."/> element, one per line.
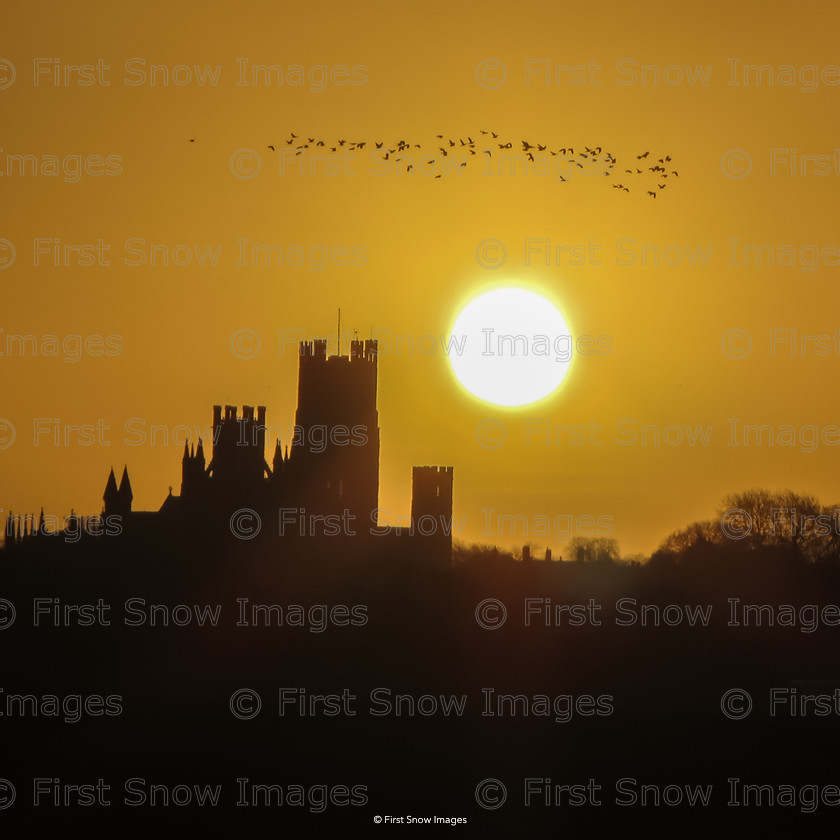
<point x="788" y="526"/>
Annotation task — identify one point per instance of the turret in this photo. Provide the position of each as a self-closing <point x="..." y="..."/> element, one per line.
<point x="277" y="460"/>
<point x="125" y="492"/>
<point x="111" y="496"/>
<point x="10" y="529"/>
<point x="431" y="508"/>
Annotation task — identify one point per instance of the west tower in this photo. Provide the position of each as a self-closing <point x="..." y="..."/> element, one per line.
<point x="335" y="452"/>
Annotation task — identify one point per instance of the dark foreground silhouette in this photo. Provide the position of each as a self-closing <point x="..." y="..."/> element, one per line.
<point x="615" y="695"/>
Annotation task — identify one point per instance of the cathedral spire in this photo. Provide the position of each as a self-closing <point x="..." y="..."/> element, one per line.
<point x="125" y="492"/>
<point x="112" y="494"/>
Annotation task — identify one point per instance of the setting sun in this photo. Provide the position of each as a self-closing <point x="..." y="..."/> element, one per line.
<point x="510" y="347"/>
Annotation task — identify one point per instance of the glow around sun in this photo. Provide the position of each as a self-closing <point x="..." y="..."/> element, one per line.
<point x="510" y="347"/>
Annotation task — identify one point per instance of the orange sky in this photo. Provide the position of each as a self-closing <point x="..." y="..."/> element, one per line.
<point x="397" y="251"/>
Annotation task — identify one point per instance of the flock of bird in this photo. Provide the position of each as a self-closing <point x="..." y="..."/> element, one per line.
<point x="489" y="143"/>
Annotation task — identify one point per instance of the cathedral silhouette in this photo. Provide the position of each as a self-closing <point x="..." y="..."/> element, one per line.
<point x="325" y="486"/>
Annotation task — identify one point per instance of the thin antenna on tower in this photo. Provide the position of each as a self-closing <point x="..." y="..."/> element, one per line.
<point x="338" y="351"/>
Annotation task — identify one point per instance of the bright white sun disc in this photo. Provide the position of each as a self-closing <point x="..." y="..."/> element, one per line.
<point x="510" y="347"/>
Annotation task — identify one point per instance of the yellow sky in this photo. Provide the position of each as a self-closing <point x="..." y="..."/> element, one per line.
<point x="397" y="252"/>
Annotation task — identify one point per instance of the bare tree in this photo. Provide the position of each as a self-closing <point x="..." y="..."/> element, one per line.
<point x="594" y="550"/>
